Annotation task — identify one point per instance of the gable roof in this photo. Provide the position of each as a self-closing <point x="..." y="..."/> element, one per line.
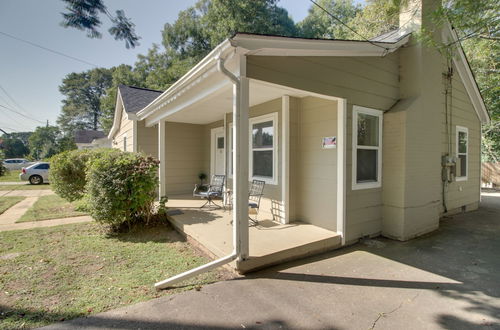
<point x="136" y="98"/>
<point x="87" y="136"/>
<point x="132" y="99"/>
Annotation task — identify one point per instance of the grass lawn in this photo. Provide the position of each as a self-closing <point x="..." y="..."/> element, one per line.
<point x="7" y="202"/>
<point x="11" y="176"/>
<point x="59" y="273"/>
<point x="50" y="207"/>
<point x="24" y="187"/>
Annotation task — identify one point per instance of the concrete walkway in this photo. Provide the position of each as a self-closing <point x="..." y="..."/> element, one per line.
<point x="26" y="193"/>
<point x="14" y="213"/>
<point x="448" y="279"/>
<point x="45" y="223"/>
<point x="9" y="217"/>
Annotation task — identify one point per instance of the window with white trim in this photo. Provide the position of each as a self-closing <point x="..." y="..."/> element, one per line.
<point x="124" y="143"/>
<point x="462" y="145"/>
<point x="263" y="148"/>
<point x="367" y="148"/>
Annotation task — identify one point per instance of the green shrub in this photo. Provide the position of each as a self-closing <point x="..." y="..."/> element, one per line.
<point x="3" y="170"/>
<point x="68" y="171"/>
<point x="121" y="188"/>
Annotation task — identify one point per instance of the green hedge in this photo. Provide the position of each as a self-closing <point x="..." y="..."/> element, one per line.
<point x="3" y="170"/>
<point x="68" y="171"/>
<point x="116" y="187"/>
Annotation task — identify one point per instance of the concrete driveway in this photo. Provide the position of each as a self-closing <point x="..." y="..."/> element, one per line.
<point x="449" y="279"/>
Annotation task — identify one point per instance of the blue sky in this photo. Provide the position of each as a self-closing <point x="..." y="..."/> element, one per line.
<point x="31" y="76"/>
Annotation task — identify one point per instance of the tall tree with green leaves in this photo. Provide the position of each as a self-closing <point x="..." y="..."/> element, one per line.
<point x="14" y="147"/>
<point x="82" y="104"/>
<point x="122" y="74"/>
<point x="319" y="24"/>
<point x="202" y="27"/>
<point x="47" y="141"/>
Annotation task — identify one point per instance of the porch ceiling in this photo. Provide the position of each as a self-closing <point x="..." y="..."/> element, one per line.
<point x="213" y="107"/>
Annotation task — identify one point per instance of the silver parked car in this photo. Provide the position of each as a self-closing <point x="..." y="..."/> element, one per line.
<point x="37" y="173"/>
<point x="16" y="163"/>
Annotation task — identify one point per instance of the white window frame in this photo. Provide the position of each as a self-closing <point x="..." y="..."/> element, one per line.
<point x="466" y="131"/>
<point x="372" y="112"/>
<point x="261" y="119"/>
<point x="124" y="143"/>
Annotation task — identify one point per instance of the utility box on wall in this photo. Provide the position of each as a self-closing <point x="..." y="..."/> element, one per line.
<point x="449" y="168"/>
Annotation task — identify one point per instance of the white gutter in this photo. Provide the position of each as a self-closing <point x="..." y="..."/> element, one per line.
<point x="165" y="97"/>
<point x="237" y="228"/>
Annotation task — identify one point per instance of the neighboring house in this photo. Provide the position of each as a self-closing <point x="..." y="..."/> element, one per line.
<point x="127" y="133"/>
<point x="358" y="137"/>
<point x="90" y="139"/>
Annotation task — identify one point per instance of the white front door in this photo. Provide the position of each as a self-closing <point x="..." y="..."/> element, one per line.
<point x="218" y="154"/>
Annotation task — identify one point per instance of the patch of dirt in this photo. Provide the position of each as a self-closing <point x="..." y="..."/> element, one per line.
<point x="10" y="256"/>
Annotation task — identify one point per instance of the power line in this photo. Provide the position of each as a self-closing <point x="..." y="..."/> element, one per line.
<point x="347" y="26"/>
<point x="47" y="49"/>
<point x="21" y="114"/>
<point x="17" y="105"/>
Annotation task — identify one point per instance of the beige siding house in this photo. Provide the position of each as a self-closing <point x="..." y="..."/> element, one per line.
<point x="353" y="139"/>
<point x="127" y="133"/>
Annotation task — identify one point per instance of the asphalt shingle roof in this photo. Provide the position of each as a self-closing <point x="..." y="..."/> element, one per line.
<point x="135" y="98"/>
<point x="87" y="136"/>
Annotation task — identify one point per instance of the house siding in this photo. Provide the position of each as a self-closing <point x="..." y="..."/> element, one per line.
<point x="366" y="81"/>
<point x="315" y="168"/>
<point x="126" y="130"/>
<point x="147" y="139"/>
<point x="184" y="156"/>
<point x="463" y="193"/>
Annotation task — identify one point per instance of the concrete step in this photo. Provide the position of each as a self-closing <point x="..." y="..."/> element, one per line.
<point x="254" y="263"/>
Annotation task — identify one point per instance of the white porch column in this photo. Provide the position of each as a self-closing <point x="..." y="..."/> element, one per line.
<point x="285" y="159"/>
<point x="162" y="158"/>
<point x="240" y="165"/>
<point x="341" y="167"/>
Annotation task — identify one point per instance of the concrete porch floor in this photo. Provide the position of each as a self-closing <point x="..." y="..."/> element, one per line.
<point x="271" y="243"/>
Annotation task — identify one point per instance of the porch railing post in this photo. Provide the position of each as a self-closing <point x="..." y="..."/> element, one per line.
<point x="240" y="161"/>
<point x="162" y="158"/>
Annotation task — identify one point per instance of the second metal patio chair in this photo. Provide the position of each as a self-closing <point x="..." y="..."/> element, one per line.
<point x="212" y="191"/>
<point x="254" y="196"/>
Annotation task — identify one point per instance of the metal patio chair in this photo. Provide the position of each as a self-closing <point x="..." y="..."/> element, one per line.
<point x="254" y="196"/>
<point x="211" y="191"/>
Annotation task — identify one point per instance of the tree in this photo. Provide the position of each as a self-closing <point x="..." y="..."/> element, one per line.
<point x="14" y="147"/>
<point x="83" y="91"/>
<point x="84" y="15"/>
<point x="200" y="28"/>
<point x="15" y="144"/>
<point x="478" y="27"/>
<point x="318" y="24"/>
<point x="48" y="141"/>
<point x="122" y="74"/>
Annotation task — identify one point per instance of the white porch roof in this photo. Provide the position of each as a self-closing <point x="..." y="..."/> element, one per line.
<point x="204" y="87"/>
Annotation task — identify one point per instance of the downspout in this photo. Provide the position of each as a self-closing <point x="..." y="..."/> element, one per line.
<point x="236" y="249"/>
